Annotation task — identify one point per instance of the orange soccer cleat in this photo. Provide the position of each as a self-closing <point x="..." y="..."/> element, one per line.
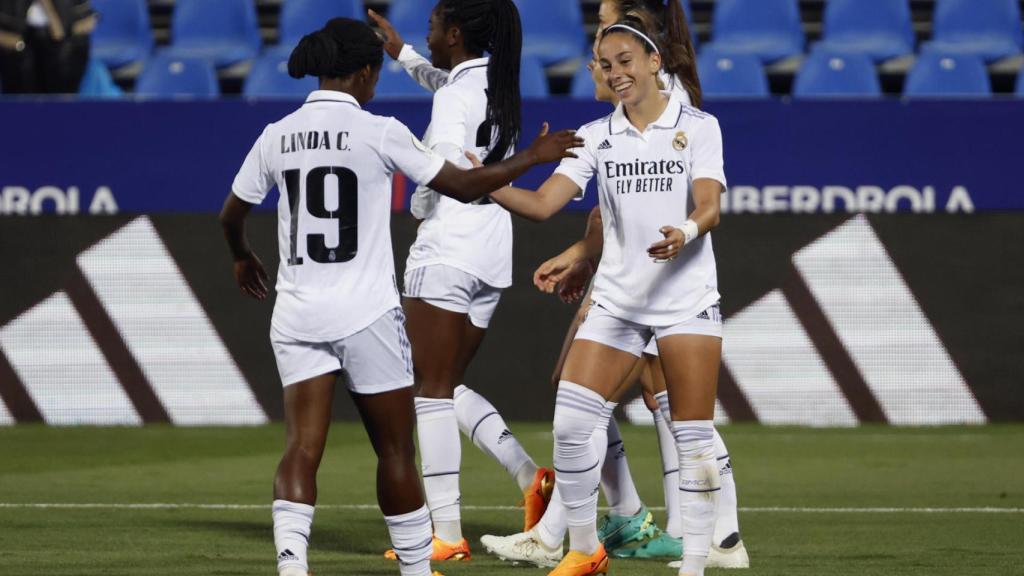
<point x="443" y="551"/>
<point x="580" y="564"/>
<point x="537" y="496"/>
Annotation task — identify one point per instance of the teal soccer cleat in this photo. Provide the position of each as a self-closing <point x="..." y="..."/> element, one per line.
<point x="618" y="531"/>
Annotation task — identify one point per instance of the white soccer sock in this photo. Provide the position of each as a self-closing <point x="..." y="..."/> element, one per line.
<point x="484" y="426"/>
<point x="727" y="520"/>
<point x="412" y="541"/>
<point x="554" y="523"/>
<point x="440" y="458"/>
<point x="292" y="522"/>
<point x="577" y="464"/>
<point x="670" y="470"/>
<point x="698" y="490"/>
<point x="616" y="480"/>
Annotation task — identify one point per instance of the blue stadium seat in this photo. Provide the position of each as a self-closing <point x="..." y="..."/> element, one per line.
<point x="167" y="76"/>
<point x="768" y="29"/>
<point x="97" y="83"/>
<point x="396" y="83"/>
<point x="224" y="32"/>
<point x="533" y="81"/>
<point x="300" y="17"/>
<point x="938" y="74"/>
<point x="123" y="35"/>
<point x="411" y="19"/>
<point x="879" y="29"/>
<point x="269" y="77"/>
<point x="989" y="28"/>
<point x="732" y="76"/>
<point x="552" y="31"/>
<point x="826" y="74"/>
<point x="582" y="83"/>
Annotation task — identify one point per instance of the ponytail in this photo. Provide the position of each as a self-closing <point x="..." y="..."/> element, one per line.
<point x="342" y="47"/>
<point x="494" y="27"/>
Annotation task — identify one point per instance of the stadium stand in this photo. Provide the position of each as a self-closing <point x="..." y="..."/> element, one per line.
<point x="169" y="76"/>
<point x="224" y="32"/>
<point x="552" y="31"/>
<point x="232" y="31"/>
<point x="533" y="82"/>
<point x="731" y="76"/>
<point x="880" y="29"/>
<point x="269" y="78"/>
<point x="582" y="83"/>
<point x="827" y="74"/>
<point x="768" y="29"/>
<point x="97" y="83"/>
<point x="124" y="35"/>
<point x="943" y="75"/>
<point x="990" y="29"/>
<point x="300" y="17"/>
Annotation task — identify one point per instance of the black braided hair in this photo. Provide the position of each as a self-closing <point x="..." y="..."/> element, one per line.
<point x="493" y="27"/>
<point x="341" y="47"/>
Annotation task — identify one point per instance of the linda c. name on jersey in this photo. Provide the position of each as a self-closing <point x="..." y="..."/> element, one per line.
<point x="314" y="140"/>
<point x="628" y="175"/>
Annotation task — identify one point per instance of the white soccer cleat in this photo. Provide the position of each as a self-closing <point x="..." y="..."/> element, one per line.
<point x="734" y="556"/>
<point x="522" y="547"/>
<point x="292" y="571"/>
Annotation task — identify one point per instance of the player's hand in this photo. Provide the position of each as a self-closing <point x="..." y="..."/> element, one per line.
<point x="575" y="281"/>
<point x="667" y="249"/>
<point x="392" y="39"/>
<point x="551" y="147"/>
<point x="251" y="277"/>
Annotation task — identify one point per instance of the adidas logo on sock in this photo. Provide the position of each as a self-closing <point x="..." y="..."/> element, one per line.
<point x="606" y="145"/>
<point x="286" y="555"/>
<point x="505" y="435"/>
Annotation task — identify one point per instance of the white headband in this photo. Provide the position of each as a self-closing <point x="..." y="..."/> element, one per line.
<point x="634" y="31"/>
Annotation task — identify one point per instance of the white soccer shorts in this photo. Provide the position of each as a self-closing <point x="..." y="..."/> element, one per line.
<point x="603" y="327"/>
<point x="376" y="359"/>
<point x="452" y="289"/>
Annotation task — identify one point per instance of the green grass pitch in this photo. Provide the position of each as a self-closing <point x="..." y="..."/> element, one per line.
<point x="796" y="487"/>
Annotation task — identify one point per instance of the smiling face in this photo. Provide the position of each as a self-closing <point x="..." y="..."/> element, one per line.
<point x="629" y="71"/>
<point x="602" y="93"/>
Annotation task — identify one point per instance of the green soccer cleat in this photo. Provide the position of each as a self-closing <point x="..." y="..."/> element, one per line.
<point x="661" y="546"/>
<point x="618" y="531"/>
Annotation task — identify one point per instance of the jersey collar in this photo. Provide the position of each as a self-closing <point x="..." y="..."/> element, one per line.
<point x="668" y="119"/>
<point x="331" y="96"/>
<point x="467" y="65"/>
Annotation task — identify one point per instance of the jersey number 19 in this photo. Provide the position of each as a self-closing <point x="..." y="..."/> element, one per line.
<point x="346" y="215"/>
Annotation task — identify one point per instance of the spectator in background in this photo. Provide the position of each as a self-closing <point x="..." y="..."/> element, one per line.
<point x="44" y="45"/>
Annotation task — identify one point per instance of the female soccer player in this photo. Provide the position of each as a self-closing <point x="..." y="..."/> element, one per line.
<point x="338" y="308"/>
<point x="462" y="258"/>
<point x="653" y="157"/>
<point x="628" y="521"/>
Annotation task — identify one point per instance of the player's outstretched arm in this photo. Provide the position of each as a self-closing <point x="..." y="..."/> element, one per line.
<point x="418" y="67"/>
<point x="392" y="39"/>
<point x="570" y="272"/>
<point x="249" y="273"/>
<point x="470" y="185"/>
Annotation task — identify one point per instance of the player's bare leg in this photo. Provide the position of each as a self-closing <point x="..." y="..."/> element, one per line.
<point x="307" y="415"/>
<point x="481" y="422"/>
<point x="691" y="365"/>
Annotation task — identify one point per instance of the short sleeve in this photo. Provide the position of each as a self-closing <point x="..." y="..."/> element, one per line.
<point x="580" y="169"/>
<point x="403" y="152"/>
<point x="706" y="152"/>
<point x="448" y="119"/>
<point x="254" y="179"/>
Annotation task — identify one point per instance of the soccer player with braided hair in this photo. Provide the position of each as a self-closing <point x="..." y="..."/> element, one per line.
<point x="462" y="258"/>
<point x="337" y="308"/>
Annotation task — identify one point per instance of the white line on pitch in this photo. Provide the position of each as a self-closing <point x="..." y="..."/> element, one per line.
<point x="778" y="509"/>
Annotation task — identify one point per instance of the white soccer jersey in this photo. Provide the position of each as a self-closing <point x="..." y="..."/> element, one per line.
<point x="474" y="238"/>
<point x="644" y="183"/>
<point x="333" y="162"/>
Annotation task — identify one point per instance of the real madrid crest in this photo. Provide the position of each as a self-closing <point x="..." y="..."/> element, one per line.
<point x="680" y="141"/>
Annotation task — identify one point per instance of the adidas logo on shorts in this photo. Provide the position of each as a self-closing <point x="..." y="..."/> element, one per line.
<point x="606" y="145"/>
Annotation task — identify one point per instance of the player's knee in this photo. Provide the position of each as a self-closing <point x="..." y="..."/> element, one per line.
<point x="435" y="388"/>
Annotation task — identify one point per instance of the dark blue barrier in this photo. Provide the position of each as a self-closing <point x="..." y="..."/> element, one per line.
<point x="144" y="157"/>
